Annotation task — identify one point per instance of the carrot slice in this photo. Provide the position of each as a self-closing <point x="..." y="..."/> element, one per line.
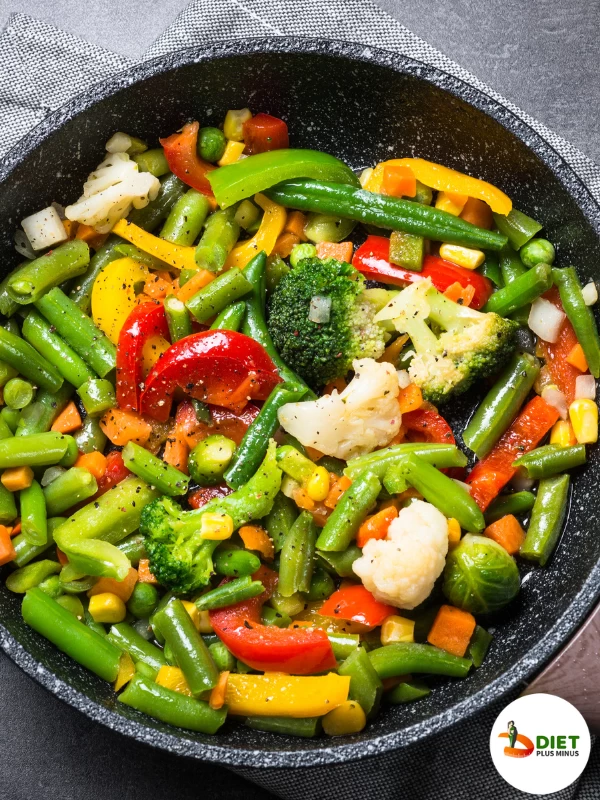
<point x="336" y="491"/>
<point x="7" y="551"/>
<point x="410" y="398"/>
<point x="477" y="212"/>
<point x="217" y="695"/>
<point x="295" y="223"/>
<point x="68" y="420"/>
<point x="122" y="589"/>
<point x="376" y="526"/>
<point x="285" y="244"/>
<point x="341" y="251"/>
<point x="398" y="181"/>
<point x="507" y="532"/>
<point x="144" y="574"/>
<point x="256" y="538"/>
<point x="577" y="358"/>
<point x="94" y="462"/>
<point x="452" y="630"/>
<point x="198" y="281"/>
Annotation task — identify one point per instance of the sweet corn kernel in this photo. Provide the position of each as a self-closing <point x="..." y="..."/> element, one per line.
<point x="204" y="625"/>
<point x="346" y="718"/>
<point x="454" y="532"/>
<point x="216" y="526"/>
<point x="174" y="679"/>
<point x="562" y="433"/>
<point x="462" y="256"/>
<point x="584" y="419"/>
<point x="233" y="151"/>
<point x="317" y="486"/>
<point x="107" y="607"/>
<point x="233" y="127"/>
<point x="126" y="671"/>
<point x="397" y="629"/>
<point x="192" y="610"/>
<point x="451" y="202"/>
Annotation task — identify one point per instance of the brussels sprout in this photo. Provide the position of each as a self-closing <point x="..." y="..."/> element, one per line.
<point x="480" y="576"/>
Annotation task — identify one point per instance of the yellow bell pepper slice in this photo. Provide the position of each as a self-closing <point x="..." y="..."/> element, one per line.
<point x="444" y="179"/>
<point x="126" y="672"/>
<point x="276" y="694"/>
<point x="174" y="679"/>
<point x="152" y="350"/>
<point x="113" y="294"/>
<point x="272" y="224"/>
<point x="175" y="255"/>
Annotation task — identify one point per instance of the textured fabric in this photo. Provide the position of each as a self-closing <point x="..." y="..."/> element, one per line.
<point x="41" y="68"/>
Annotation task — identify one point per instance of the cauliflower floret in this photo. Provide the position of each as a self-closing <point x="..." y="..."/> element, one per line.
<point x="402" y="569"/>
<point x="110" y="192"/>
<point x="364" y="416"/>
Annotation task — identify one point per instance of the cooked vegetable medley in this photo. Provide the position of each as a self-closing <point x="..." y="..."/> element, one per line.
<point x="228" y="486"/>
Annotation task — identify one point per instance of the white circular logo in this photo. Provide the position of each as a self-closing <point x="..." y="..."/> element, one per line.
<point x="540" y="744"/>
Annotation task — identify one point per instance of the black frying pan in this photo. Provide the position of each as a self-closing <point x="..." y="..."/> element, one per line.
<point x="362" y="105"/>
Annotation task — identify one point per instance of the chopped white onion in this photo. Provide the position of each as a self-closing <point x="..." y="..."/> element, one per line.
<point x="555" y="398"/>
<point x="585" y="387"/>
<point x="60" y="210"/>
<point x="44" y="228"/>
<point x="404" y="379"/>
<point x="51" y="474"/>
<point x="23" y="245"/>
<point x="320" y="308"/>
<point x="545" y="319"/>
<point x="590" y="293"/>
<point x="118" y="143"/>
<point x="289" y="486"/>
<point x="521" y="483"/>
<point x="463" y="485"/>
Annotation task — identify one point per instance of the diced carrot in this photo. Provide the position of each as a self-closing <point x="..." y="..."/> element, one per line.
<point x="398" y="181"/>
<point x="295" y="223"/>
<point x="577" y="358"/>
<point x="452" y="630"/>
<point x="393" y="350"/>
<point x="285" y="244"/>
<point x="16" y="478"/>
<point x="302" y="500"/>
<point x="68" y="420"/>
<point x="256" y="538"/>
<point x="507" y="532"/>
<point x="320" y="514"/>
<point x="157" y="288"/>
<point x="16" y="529"/>
<point x="338" y="383"/>
<point x="122" y="589"/>
<point x="90" y="235"/>
<point x="337" y="490"/>
<point x="198" y="281"/>
<point x="62" y="557"/>
<point x="7" y="551"/>
<point x="341" y="251"/>
<point x="410" y="398"/>
<point x="313" y="453"/>
<point x="144" y="574"/>
<point x="122" y="426"/>
<point x="94" y="462"/>
<point x="6" y="530"/>
<point x="376" y="526"/>
<point x="463" y="295"/>
<point x="217" y="695"/>
<point x="176" y="451"/>
<point x="477" y="213"/>
<point x="70" y="227"/>
<point x="400" y="437"/>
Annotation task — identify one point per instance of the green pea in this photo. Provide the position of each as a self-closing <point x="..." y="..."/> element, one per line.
<point x="18" y="393"/>
<point x="321" y="585"/>
<point x="209" y="459"/>
<point x="222" y="656"/>
<point x="211" y="144"/>
<point x="537" y="251"/>
<point x="143" y="600"/>
<point x="300" y="251"/>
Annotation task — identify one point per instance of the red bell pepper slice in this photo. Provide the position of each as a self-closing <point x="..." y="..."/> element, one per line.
<point x="357" y="604"/>
<point x="372" y="259"/>
<point x="264" y="132"/>
<point x="146" y="320"/>
<point x="202" y="495"/>
<point x="115" y="472"/>
<point x="297" y="651"/>
<point x="555" y="354"/>
<point x="221" y="367"/>
<point x="493" y="472"/>
<point x="429" y="425"/>
<point x="181" y="152"/>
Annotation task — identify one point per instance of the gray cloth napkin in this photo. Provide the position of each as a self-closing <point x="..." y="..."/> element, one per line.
<point x="42" y="68"/>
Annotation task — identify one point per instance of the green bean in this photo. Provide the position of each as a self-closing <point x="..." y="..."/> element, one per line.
<point x="511" y="265"/>
<point x="32" y="575"/>
<point x="478" y="646"/>
<point x="97" y="627"/>
<point x="83" y="645"/>
<point x="5" y="430"/>
<point x="143" y="600"/>
<point x="8" y="508"/>
<point x="407" y="657"/>
<point x="38" y="450"/>
<point x="341" y="563"/>
<point x="6" y="373"/>
<point x="25" y="359"/>
<point x="186" y="218"/>
<point x="153" y="161"/>
<point x="8" y="307"/>
<point x="275" y="270"/>
<point x="171" y="707"/>
<point x="543" y="462"/>
<point x="580" y="316"/>
<point x="305" y="727"/>
<point x="81" y="293"/>
<point x="332" y="464"/>
<point x="90" y="437"/>
<point x="40" y="334"/>
<point x="78" y="330"/>
<point x="297" y="556"/>
<point x="491" y="269"/>
<point x="253" y="446"/>
<point x="537" y="251"/>
<point x="407" y="692"/>
<point x="39" y="415"/>
<point x="280" y="519"/>
<point x="365" y="684"/>
<point x="218" y="294"/>
<point x="151" y="469"/>
<point x="178" y="318"/>
<point x="71" y="454"/>
<point x="234" y="562"/>
<point x="222" y="656"/>
<point x="51" y="586"/>
<point x="321" y="585"/>
<point x="26" y="552"/>
<point x="18" y="393"/>
<point x="35" y="278"/>
<point x="209" y="459"/>
<point x="191" y="653"/>
<point x="211" y="144"/>
<point x="440" y="455"/>
<point x="75" y="586"/>
<point x="521" y="291"/>
<point x="547" y="518"/>
<point x="71" y="604"/>
<point x="33" y="514"/>
<point x="134" y="547"/>
<point x="518" y="227"/>
<point x="394" y="481"/>
<point x="11" y="418"/>
<point x="288" y="606"/>
<point x="516" y="503"/>
<point x="157" y="210"/>
<point x="352" y="508"/>
<point x="130" y="641"/>
<point x="501" y="404"/>
<point x="294" y="463"/>
<point x="71" y="487"/>
<point x="231" y="318"/>
<point x="269" y="616"/>
<point x="97" y="396"/>
<point x="230" y="593"/>
<point x="127" y="250"/>
<point x="221" y="232"/>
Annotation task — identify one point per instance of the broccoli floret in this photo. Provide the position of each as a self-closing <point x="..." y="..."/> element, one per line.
<point x="323" y="351"/>
<point x="470" y="345"/>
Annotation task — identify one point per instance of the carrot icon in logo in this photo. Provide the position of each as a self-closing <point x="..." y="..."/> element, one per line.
<point x="513" y="737"/>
